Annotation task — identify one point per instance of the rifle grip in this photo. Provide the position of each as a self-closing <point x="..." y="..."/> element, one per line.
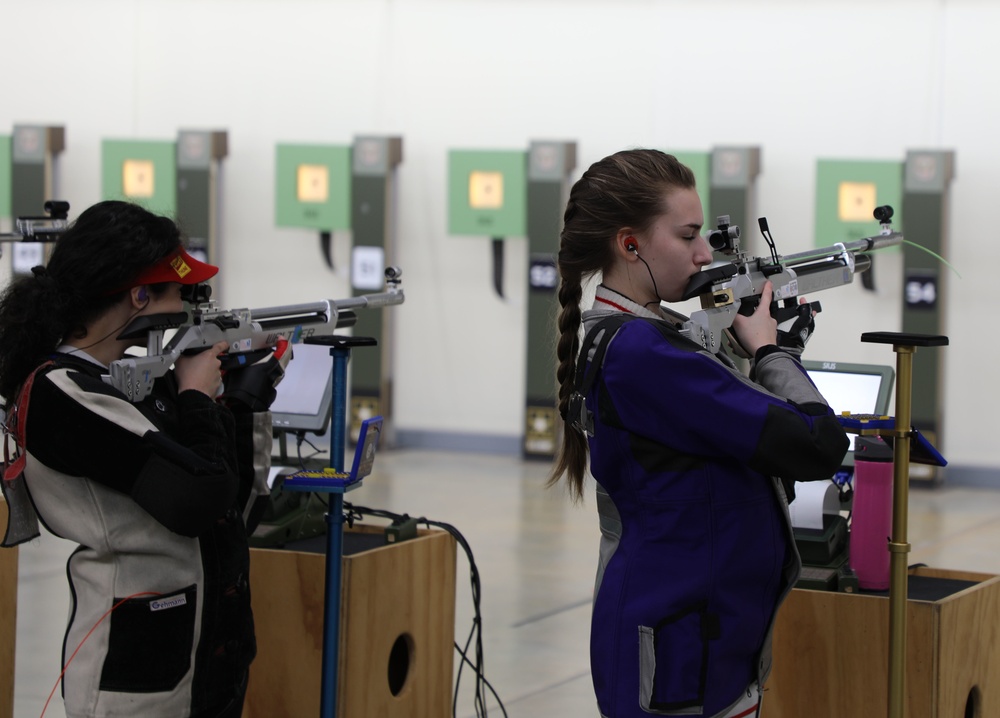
<point x="748" y="305"/>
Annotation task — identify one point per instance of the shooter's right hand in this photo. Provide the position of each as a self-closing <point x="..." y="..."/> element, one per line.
<point x="201" y="371"/>
<point x="760" y="329"/>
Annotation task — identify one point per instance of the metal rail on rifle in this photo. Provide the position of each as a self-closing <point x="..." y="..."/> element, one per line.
<point x="245" y="331"/>
<point x="40" y="229"/>
<point x="735" y="287"/>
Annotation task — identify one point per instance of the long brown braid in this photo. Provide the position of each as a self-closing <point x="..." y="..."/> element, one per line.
<point x="625" y="189"/>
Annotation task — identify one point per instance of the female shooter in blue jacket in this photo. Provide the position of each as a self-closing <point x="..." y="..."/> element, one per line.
<point x="691" y="457"/>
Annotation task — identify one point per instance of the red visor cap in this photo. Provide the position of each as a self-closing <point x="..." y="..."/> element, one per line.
<point x="178" y="266"/>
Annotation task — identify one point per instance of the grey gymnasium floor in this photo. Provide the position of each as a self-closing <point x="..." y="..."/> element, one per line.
<point x="536" y="554"/>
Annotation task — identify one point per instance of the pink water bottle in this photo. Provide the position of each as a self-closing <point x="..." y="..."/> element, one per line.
<point x="871" y="515"/>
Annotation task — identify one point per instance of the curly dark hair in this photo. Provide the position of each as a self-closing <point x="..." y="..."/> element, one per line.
<point x="91" y="266"/>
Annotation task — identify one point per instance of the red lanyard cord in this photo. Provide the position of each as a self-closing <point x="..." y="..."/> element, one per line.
<point x="80" y="645"/>
<point x="16" y="427"/>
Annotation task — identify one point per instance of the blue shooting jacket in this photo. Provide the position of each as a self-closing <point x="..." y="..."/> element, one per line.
<point x="697" y="550"/>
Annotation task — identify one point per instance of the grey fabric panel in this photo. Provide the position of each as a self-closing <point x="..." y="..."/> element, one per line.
<point x="780" y="374"/>
<point x="263" y="439"/>
<point x="647" y="666"/>
<point x="611" y="532"/>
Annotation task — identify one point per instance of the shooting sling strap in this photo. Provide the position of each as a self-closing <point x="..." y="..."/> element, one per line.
<point x="22" y="523"/>
<point x="578" y="415"/>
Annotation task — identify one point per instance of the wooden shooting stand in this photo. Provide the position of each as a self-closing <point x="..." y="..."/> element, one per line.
<point x="397" y="628"/>
<point x="831" y="653"/>
<point x="349" y="632"/>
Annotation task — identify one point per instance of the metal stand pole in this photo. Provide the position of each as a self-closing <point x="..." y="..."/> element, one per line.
<point x="340" y="350"/>
<point x="905" y="346"/>
<point x="331" y="613"/>
<point x="334" y="539"/>
<point x="899" y="548"/>
<point x="338" y="412"/>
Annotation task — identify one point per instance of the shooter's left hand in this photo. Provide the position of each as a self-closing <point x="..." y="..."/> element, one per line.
<point x="794" y="337"/>
<point x="252" y="388"/>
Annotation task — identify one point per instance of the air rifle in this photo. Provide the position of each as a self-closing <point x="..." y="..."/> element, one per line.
<point x="250" y="333"/>
<point x="735" y="287"/>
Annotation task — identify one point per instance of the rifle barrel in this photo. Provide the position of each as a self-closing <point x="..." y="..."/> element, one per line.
<point x="293" y="310"/>
<point x="326" y="307"/>
<point x="866" y="244"/>
<point x="371" y="301"/>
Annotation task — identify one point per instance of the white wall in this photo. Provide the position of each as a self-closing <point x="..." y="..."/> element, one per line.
<point x="825" y="79"/>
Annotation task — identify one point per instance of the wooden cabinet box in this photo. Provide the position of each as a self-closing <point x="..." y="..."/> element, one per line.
<point x="397" y="629"/>
<point x="831" y="651"/>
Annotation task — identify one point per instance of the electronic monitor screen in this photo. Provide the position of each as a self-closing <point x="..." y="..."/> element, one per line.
<point x="305" y="394"/>
<point x="854" y="388"/>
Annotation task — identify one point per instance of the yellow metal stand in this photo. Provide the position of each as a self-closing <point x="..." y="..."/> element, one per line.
<point x="905" y="346"/>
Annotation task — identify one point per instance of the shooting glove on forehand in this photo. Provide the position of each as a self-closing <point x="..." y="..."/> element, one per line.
<point x="793" y="334"/>
<point x="252" y="387"/>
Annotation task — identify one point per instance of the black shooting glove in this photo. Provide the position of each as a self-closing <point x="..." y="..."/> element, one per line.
<point x="794" y="333"/>
<point x="251" y="387"/>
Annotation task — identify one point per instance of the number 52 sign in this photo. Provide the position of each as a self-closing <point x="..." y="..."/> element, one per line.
<point x="543" y="276"/>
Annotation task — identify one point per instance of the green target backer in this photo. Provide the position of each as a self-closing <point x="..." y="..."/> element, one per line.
<point x="701" y="164"/>
<point x="487" y="193"/>
<point x="5" y="170"/>
<point x="144" y="172"/>
<point x="313" y="187"/>
<point x="846" y="194"/>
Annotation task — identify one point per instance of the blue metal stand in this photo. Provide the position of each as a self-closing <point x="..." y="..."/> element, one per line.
<point x="340" y="350"/>
<point x="331" y="614"/>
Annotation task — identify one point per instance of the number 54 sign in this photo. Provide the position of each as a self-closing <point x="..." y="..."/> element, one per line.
<point x="921" y="291"/>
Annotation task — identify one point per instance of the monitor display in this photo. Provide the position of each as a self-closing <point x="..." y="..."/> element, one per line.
<point x="854" y="393"/>
<point x="853" y="388"/>
<point x="305" y="393"/>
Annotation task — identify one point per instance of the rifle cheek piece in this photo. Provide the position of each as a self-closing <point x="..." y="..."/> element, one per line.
<point x="702" y="282"/>
<point x="140" y="327"/>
